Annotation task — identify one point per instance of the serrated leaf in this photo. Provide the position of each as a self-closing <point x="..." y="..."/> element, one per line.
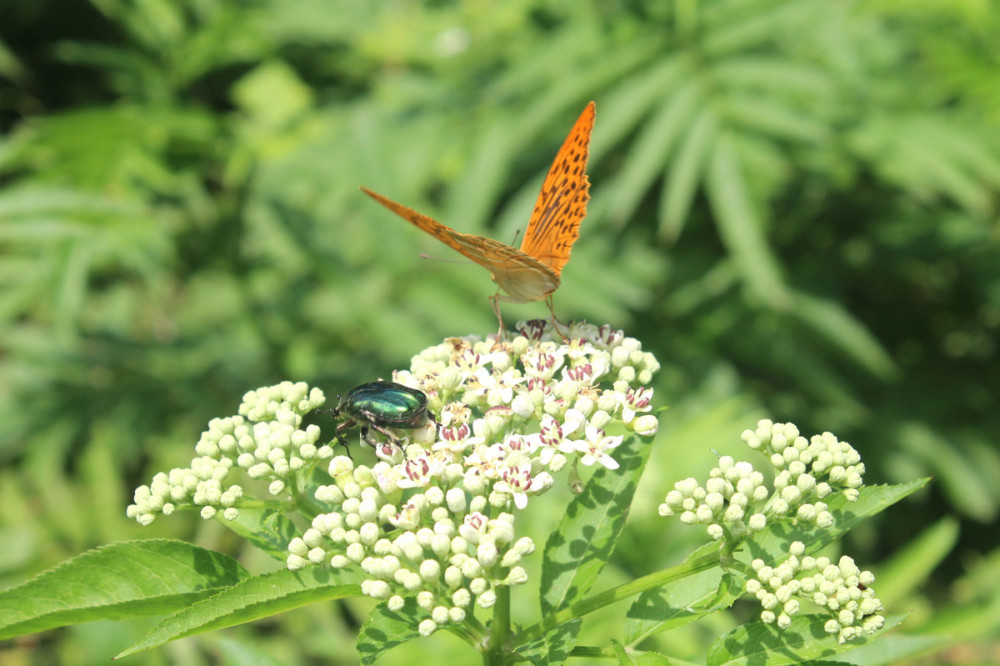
<point x="677" y="603"/>
<point x="255" y="598"/>
<point x="118" y="581"/>
<point x="578" y="549"/>
<point x="771" y="544"/>
<point x="804" y="640"/>
<point x="554" y="646"/>
<point x="635" y="658"/>
<point x="385" y="629"/>
<point x="268" y="529"/>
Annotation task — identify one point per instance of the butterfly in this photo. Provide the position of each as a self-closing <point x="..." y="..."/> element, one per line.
<point x="532" y="272"/>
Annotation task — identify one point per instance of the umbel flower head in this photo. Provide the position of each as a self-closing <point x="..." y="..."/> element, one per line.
<point x="736" y="502"/>
<point x="735" y="499"/>
<point x="434" y="518"/>
<point x="842" y="588"/>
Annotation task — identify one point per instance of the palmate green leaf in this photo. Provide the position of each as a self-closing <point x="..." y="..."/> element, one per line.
<point x="630" y="100"/>
<point x="748" y="110"/>
<point x="252" y="599"/>
<point x="778" y="76"/>
<point x="385" y="629"/>
<point x="554" y="646"/>
<point x="832" y="321"/>
<point x="804" y="640"/>
<point x="686" y="172"/>
<point x="649" y="152"/>
<point x="118" y="581"/>
<point x="580" y="546"/>
<point x="740" y="226"/>
<point x="738" y="27"/>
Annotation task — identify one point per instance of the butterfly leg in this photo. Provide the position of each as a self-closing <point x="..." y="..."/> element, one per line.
<point x="555" y="320"/>
<point x="495" y="304"/>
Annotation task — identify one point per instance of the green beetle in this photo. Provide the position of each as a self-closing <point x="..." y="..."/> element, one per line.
<point x="380" y="405"/>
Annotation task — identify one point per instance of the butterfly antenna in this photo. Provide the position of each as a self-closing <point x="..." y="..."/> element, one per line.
<point x="447" y="261"/>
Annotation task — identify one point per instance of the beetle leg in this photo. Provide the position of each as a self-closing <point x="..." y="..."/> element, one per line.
<point x="366" y="434"/>
<point x="389" y="435"/>
<point x="349" y="423"/>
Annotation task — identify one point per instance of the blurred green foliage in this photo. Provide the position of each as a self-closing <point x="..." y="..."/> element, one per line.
<point x="794" y="206"/>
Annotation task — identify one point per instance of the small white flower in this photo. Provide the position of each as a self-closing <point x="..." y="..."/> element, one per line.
<point x="596" y="446"/>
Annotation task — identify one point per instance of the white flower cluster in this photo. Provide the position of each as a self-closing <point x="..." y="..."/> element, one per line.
<point x="842" y="588"/>
<point x="807" y="471"/>
<point x="434" y="520"/>
<point x="264" y="440"/>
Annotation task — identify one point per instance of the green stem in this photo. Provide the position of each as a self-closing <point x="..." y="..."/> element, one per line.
<point x="496" y="653"/>
<point x="598" y="601"/>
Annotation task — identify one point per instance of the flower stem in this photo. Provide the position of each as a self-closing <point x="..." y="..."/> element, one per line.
<point x="597" y="601"/>
<point x="496" y="652"/>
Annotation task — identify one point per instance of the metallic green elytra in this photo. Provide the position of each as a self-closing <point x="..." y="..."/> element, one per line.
<point x="380" y="405"/>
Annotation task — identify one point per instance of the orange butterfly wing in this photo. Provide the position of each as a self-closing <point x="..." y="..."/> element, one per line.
<point x="562" y="203"/>
<point x="524" y="278"/>
<point x="531" y="273"/>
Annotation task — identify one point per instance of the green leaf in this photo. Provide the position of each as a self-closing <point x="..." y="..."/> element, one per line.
<point x="631" y="99"/>
<point x="910" y="567"/>
<point x="678" y="602"/>
<point x="741" y="228"/>
<point x="771" y="544"/>
<point x="114" y="582"/>
<point x="777" y="119"/>
<point x="554" y="646"/>
<point x="956" y="474"/>
<point x="252" y="599"/>
<point x="685" y="173"/>
<point x="268" y="529"/>
<point x="385" y="629"/>
<point x="836" y="324"/>
<point x="805" y="639"/>
<point x="636" y="658"/>
<point x="585" y="538"/>
<point x="649" y="152"/>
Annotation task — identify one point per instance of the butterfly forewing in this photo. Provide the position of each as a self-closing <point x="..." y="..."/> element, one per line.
<point x="531" y="273"/>
<point x="524" y="278"/>
<point x="562" y="203"/>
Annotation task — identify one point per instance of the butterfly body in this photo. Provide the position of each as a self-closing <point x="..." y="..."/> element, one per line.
<point x="532" y="272"/>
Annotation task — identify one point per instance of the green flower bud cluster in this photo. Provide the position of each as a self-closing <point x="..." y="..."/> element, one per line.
<point x="842" y="588"/>
<point x="732" y="488"/>
<point x="818" y="466"/>
<point x="736" y="500"/>
<point x="434" y="520"/>
<point x="264" y="440"/>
